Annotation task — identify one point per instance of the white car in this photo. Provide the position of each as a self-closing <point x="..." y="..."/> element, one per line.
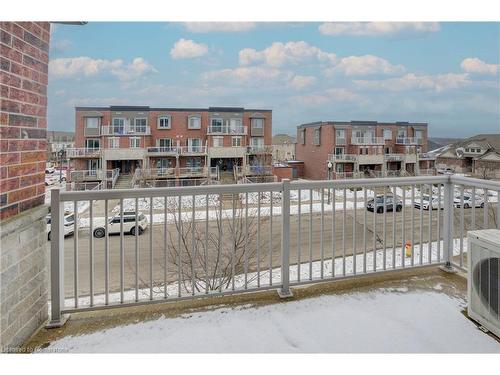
<point x="69" y="225"/>
<point x="129" y="225"/>
<point x="49" y="170"/>
<point x="468" y="202"/>
<point x="429" y="202"/>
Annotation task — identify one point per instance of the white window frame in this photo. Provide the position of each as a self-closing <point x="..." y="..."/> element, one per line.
<point x="194" y="148"/>
<point x="233" y="139"/>
<point x="94" y="140"/>
<point x="257" y="141"/>
<point x="257" y="123"/>
<point x="132" y="141"/>
<point x="387" y="136"/>
<point x="142" y="131"/>
<point x="168" y="119"/>
<point x="170" y="141"/>
<point x="217" y="141"/>
<point x="192" y="117"/>
<point x="93" y="118"/>
<point x="113" y="142"/>
<point x="122" y="125"/>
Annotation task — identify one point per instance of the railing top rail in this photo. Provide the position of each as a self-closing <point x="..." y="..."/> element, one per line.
<point x="475" y="182"/>
<point x="393" y="181"/>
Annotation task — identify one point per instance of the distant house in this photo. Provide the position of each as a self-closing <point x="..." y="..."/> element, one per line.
<point x="478" y="156"/>
<point x="283" y="148"/>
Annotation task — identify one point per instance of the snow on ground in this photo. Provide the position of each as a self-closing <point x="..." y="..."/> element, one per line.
<point x="312" y="270"/>
<point x="377" y="321"/>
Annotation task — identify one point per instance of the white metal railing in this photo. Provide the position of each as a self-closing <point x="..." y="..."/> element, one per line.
<point x="409" y="141"/>
<point x="227" y="130"/>
<point x="426" y="156"/>
<point x="347" y="175"/>
<point x="394" y="157"/>
<point x="343" y="157"/>
<point x="126" y="129"/>
<point x="192" y="150"/>
<point x="260" y="149"/>
<point x="254" y="170"/>
<point x="340" y="141"/>
<point x="225" y="239"/>
<point x="83" y="152"/>
<point x="368" y="140"/>
<point x="172" y="150"/>
<point x="89" y="174"/>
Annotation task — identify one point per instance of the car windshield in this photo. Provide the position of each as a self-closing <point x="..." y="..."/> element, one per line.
<point x="426" y="198"/>
<point x="141" y="217"/>
<point x="48" y="220"/>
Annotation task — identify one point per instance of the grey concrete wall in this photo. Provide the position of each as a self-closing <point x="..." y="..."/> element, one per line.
<point x="24" y="267"/>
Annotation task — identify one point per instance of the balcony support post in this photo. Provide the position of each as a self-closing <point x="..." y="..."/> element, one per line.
<point x="448" y="227"/>
<point x="285" y="291"/>
<point x="56" y="261"/>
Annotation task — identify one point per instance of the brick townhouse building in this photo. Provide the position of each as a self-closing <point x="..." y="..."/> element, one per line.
<point x="170" y="143"/>
<point x="362" y="149"/>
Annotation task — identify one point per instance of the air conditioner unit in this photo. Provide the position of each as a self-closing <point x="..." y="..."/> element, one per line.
<point x="483" y="284"/>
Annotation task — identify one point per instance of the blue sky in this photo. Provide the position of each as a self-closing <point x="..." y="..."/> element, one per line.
<point x="444" y="73"/>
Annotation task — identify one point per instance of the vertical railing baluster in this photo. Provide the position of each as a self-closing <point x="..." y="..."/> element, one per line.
<point x="258" y="238"/>
<point x="285" y="239"/>
<point x="193" y="244"/>
<point x="106" y="253"/>
<point x="421" y="233"/>
<point x="485" y="210"/>
<point x="374" y="230"/>
<point x="344" y="219"/>
<point x="245" y="244"/>
<point x="384" y="229"/>
<point x="56" y="259"/>
<point x="448" y="224"/>
<point x="206" y="242"/>
<point x="412" y="225"/>
<point x="365" y="210"/>
<point x="462" y="192"/>
<point x="321" y="236"/>
<point x="75" y="254"/>
<point x="403" y="228"/>
<point x="179" y="234"/>
<point x="354" y="252"/>
<point x="165" y="247"/>
<point x="299" y="233"/>
<point x="136" y="249"/>
<point x="438" y="225"/>
<point x="431" y="197"/>
<point x="91" y="252"/>
<point x="150" y="247"/>
<point x="271" y="240"/>
<point x="233" y="240"/>
<point x="473" y="218"/>
<point x="310" y="231"/>
<point x="122" y="254"/>
<point x="334" y="229"/>
<point x="393" y="206"/>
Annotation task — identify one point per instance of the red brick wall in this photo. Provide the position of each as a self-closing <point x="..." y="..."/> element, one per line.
<point x="24" y="55"/>
<point x="283" y="172"/>
<point x="315" y="157"/>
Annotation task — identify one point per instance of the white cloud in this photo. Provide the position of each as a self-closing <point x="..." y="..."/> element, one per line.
<point x="207" y="27"/>
<point x="83" y="65"/>
<point x="86" y="66"/>
<point x="249" y="75"/>
<point x="188" y="49"/>
<point x="279" y="54"/>
<point x="377" y="28"/>
<point x="364" y="65"/>
<point x="326" y="96"/>
<point x="412" y="81"/>
<point x="299" y="82"/>
<point x="475" y="65"/>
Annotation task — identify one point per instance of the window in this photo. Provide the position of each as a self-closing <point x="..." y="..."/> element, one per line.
<point x="92" y="122"/>
<point x="194" y="144"/>
<point x="235" y="125"/>
<point x="257" y="141"/>
<point x="257" y="123"/>
<point x="401" y="133"/>
<point x="165" y="143"/>
<point x="135" y="142"/>
<point x="339" y="150"/>
<point x="164" y="163"/>
<point x="113" y="142"/>
<point x="236" y="141"/>
<point x="218" y="141"/>
<point x="118" y="126"/>
<point x="193" y="162"/>
<point x="163" y="122"/>
<point x="216" y="125"/>
<point x="140" y="125"/>
<point x="317" y="136"/>
<point x="387" y="134"/>
<point x="194" y="122"/>
<point x="303" y="136"/>
<point x="340" y="136"/>
<point x="92" y="165"/>
<point x="92" y="143"/>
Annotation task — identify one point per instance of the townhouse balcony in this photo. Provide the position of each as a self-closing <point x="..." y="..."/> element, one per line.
<point x="227" y="152"/>
<point x="368" y="140"/>
<point x="192" y="150"/>
<point x="175" y="172"/>
<point x="83" y="152"/>
<point x="394" y="157"/>
<point x="409" y="141"/>
<point x="253" y="170"/>
<point x="260" y="149"/>
<point x="163" y="151"/>
<point x="343" y="158"/>
<point x="94" y="175"/>
<point x="130" y="153"/>
<point x="227" y="130"/>
<point x="426" y="156"/>
<point x="129" y="130"/>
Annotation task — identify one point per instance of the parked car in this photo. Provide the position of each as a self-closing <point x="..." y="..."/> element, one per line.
<point x="468" y="202"/>
<point x="49" y="170"/>
<point x="429" y="202"/>
<point x="379" y="204"/>
<point x="129" y="226"/>
<point x="69" y="225"/>
<point x="445" y="170"/>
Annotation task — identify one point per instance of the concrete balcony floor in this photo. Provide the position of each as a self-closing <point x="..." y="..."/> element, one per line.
<point x="414" y="310"/>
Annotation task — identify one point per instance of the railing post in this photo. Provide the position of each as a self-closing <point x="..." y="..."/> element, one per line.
<point x="285" y="291"/>
<point x="448" y="226"/>
<point x="56" y="260"/>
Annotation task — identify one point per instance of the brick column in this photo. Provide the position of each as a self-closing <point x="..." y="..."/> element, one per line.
<point x="24" y="55"/>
